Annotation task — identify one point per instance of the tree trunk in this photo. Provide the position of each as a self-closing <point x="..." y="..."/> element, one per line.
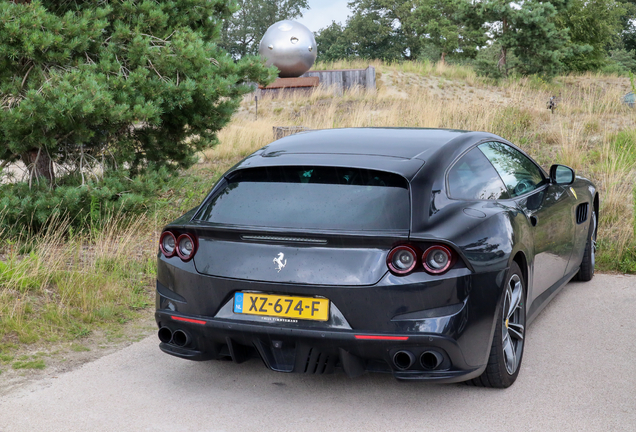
<point x="443" y="58"/>
<point x="504" y="51"/>
<point x="502" y="62"/>
<point x="40" y="164"/>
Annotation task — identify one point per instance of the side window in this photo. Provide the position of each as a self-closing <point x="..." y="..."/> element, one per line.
<point x="473" y="177"/>
<point x="519" y="173"/>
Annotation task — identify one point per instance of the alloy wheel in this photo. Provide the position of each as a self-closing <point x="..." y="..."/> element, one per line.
<point x="513" y="327"/>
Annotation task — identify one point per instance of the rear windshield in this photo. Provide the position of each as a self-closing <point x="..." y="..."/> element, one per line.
<point x="312" y="198"/>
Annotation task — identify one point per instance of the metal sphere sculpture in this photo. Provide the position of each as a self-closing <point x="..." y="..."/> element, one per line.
<point x="290" y="46"/>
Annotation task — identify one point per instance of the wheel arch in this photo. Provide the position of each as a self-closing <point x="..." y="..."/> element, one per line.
<point x="596" y="207"/>
<point x="522" y="262"/>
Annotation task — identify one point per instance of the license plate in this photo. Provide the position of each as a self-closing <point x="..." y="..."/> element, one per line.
<point x="306" y="308"/>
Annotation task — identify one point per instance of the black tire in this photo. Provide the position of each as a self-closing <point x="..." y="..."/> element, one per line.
<point x="498" y="373"/>
<point x="586" y="271"/>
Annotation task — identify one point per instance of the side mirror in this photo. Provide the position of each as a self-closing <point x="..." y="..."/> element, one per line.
<point x="561" y="175"/>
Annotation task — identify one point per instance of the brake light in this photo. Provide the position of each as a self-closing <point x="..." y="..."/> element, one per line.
<point x="188" y="320"/>
<point x="391" y="338"/>
<point x="168" y="244"/>
<point x="402" y="260"/>
<point x="186" y="247"/>
<point x="437" y="259"/>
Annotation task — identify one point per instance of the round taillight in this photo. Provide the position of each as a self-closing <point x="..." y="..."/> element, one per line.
<point x="402" y="260"/>
<point x="186" y="247"/>
<point x="437" y="259"/>
<point x="168" y="244"/>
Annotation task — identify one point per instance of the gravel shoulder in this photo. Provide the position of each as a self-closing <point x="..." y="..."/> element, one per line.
<point x="65" y="357"/>
<point x="578" y="374"/>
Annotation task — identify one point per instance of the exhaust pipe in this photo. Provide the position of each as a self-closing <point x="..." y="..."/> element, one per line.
<point x="431" y="360"/>
<point x="165" y="334"/>
<point x="180" y="338"/>
<point x="403" y="359"/>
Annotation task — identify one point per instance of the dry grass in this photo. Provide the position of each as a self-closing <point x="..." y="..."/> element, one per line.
<point x="425" y="67"/>
<point x="55" y="287"/>
<point x="580" y="134"/>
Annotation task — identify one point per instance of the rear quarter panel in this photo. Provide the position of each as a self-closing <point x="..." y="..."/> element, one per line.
<point x="585" y="191"/>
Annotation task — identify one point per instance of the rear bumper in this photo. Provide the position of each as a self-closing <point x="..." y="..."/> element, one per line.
<point x="452" y="316"/>
<point x="317" y="351"/>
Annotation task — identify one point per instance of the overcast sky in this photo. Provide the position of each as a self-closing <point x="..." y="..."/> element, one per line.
<point x="323" y="12"/>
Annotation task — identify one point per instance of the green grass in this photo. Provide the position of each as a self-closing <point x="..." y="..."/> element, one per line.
<point x="29" y="364"/>
<point x="620" y="255"/>
<point x="624" y="143"/>
<point x="616" y="256"/>
<point x="79" y="348"/>
<point x="101" y="291"/>
<point x="70" y="284"/>
<point x="610" y="259"/>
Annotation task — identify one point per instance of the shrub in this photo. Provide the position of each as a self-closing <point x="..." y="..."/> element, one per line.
<point x="26" y="209"/>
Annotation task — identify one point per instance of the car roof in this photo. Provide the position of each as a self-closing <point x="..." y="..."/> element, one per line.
<point x="399" y="150"/>
<point x="405" y="143"/>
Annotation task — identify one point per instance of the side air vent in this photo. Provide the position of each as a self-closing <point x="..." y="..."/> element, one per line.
<point x="581" y="213"/>
<point x="283" y="239"/>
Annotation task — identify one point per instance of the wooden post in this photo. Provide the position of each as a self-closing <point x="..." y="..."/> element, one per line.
<point x="346" y="79"/>
<point x="283" y="131"/>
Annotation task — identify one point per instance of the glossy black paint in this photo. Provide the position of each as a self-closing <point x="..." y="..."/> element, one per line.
<point x="343" y="259"/>
<point x="453" y="313"/>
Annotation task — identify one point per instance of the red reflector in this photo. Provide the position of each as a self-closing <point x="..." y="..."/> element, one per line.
<point x="188" y="320"/>
<point x="397" y="338"/>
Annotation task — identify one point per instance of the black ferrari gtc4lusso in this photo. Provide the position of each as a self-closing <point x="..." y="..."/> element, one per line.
<point x="420" y="252"/>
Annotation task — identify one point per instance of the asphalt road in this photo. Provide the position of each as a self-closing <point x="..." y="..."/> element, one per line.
<point x="578" y="374"/>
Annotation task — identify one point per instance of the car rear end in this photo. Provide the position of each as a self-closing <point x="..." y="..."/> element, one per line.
<point x="311" y="268"/>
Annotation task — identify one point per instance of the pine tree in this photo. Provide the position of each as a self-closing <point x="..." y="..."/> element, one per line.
<point x="594" y="27"/>
<point x="449" y="25"/>
<point x="367" y="34"/>
<point x="628" y="24"/>
<point x="333" y="43"/>
<point x="131" y="82"/>
<point x="529" y="30"/>
<point x="384" y="29"/>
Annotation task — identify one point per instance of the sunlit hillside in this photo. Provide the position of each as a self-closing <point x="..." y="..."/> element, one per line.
<point x="591" y="129"/>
